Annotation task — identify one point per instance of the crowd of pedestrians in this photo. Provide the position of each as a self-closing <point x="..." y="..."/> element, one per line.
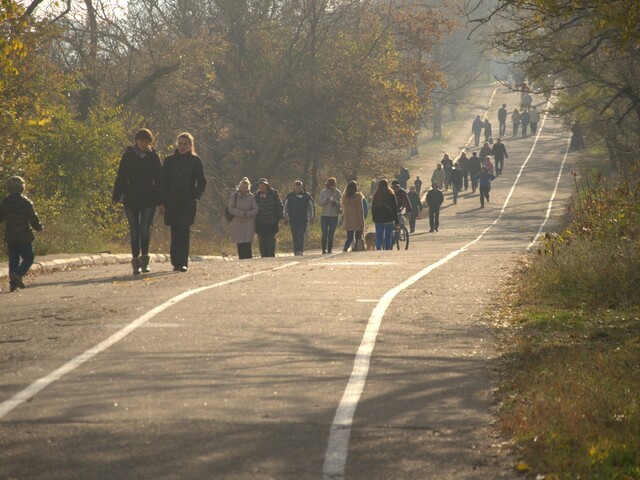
<point x="145" y="185"/>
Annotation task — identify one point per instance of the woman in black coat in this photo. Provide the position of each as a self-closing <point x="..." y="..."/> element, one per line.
<point x="138" y="185"/>
<point x="270" y="212"/>
<point x="183" y="182"/>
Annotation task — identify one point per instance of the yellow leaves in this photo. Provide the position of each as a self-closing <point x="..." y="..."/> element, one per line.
<point x="522" y="467"/>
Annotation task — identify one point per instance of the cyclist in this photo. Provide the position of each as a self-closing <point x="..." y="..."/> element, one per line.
<point x="403" y="198"/>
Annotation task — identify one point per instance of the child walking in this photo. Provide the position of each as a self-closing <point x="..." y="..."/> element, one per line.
<point x="21" y="220"/>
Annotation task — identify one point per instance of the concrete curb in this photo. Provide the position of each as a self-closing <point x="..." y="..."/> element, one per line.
<point x="50" y="265"/>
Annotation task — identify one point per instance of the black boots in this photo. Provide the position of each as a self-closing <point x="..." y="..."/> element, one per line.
<point x="144" y="263"/>
<point x="135" y="264"/>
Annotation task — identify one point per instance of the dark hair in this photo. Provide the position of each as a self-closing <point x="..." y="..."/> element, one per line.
<point x="144" y="134"/>
<point x="382" y="193"/>
<point x="352" y="188"/>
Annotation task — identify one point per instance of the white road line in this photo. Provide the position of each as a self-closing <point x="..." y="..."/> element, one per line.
<point x="338" y="445"/>
<point x="553" y="196"/>
<point x="42" y="383"/>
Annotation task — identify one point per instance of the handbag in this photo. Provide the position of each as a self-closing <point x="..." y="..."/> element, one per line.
<point x="229" y="216"/>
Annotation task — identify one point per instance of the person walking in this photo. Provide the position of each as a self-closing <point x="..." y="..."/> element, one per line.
<point x="525" y="119"/>
<point x="138" y="185"/>
<point x="484" y="181"/>
<point x="434" y="200"/>
<point x="183" y="183"/>
<point x="403" y="177"/>
<point x="20" y="220"/>
<point x="244" y="208"/>
<point x="476" y="129"/>
<point x="353" y="214"/>
<point x="418" y="184"/>
<point x="456" y="182"/>
<point x="384" y="211"/>
<point x="463" y="163"/>
<point x="474" y="169"/>
<point x="499" y="152"/>
<point x="515" y="120"/>
<point x="486" y="163"/>
<point x="438" y="176"/>
<point x="299" y="212"/>
<point x="329" y="200"/>
<point x="485" y="150"/>
<point x="534" y="118"/>
<point x="270" y="212"/>
<point x="487" y="130"/>
<point x="447" y="165"/>
<point x="416" y="208"/>
<point x="502" y="120"/>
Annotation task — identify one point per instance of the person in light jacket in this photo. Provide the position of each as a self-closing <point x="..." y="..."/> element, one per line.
<point x="242" y="205"/>
<point x="329" y="200"/>
<point x="353" y="211"/>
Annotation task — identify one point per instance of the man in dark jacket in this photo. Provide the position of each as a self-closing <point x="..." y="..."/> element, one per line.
<point x="476" y="128"/>
<point x="499" y="152"/>
<point x="20" y="219"/>
<point x="299" y="211"/>
<point x="463" y="162"/>
<point x="416" y="207"/>
<point x="270" y="212"/>
<point x="434" y="199"/>
<point x="475" y="164"/>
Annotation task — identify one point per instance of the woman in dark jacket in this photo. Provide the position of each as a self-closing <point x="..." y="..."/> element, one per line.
<point x="384" y="211"/>
<point x="139" y="181"/>
<point x="270" y="212"/>
<point x="183" y="184"/>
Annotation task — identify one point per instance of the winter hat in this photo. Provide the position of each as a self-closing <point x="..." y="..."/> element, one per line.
<point x="395" y="183"/>
<point x="15" y="184"/>
<point x="263" y="180"/>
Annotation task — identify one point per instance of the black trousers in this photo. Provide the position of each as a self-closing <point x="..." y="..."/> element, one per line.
<point x="434" y="218"/>
<point x="267" y="242"/>
<point x="244" y="251"/>
<point x="179" y="250"/>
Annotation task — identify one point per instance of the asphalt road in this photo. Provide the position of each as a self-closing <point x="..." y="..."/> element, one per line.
<point x="366" y="365"/>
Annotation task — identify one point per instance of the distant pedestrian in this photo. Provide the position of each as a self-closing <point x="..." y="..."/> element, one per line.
<point x="476" y="129"/>
<point x="299" y="212"/>
<point x="486" y="150"/>
<point x="20" y="220"/>
<point x="534" y="118"/>
<point x="515" y="120"/>
<point x="384" y="210"/>
<point x="487" y="130"/>
<point x="434" y="200"/>
<point x="353" y="215"/>
<point x="416" y="208"/>
<point x="438" y="176"/>
<point x="525" y="102"/>
<point x="502" y="120"/>
<point x="525" y="119"/>
<point x="403" y="177"/>
<point x="329" y="200"/>
<point x="447" y="166"/>
<point x="183" y="184"/>
<point x="242" y="205"/>
<point x="484" y="181"/>
<point x="270" y="212"/>
<point x="418" y="184"/>
<point x="486" y="163"/>
<point x="138" y="185"/>
<point x="474" y="169"/>
<point x="456" y="181"/>
<point x="463" y="162"/>
<point x="499" y="152"/>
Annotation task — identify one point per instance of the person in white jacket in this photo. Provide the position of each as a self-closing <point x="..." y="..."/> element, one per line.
<point x="329" y="200"/>
<point x="244" y="208"/>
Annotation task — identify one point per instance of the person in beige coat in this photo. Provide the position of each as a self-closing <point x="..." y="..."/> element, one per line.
<point x="244" y="208"/>
<point x="353" y="214"/>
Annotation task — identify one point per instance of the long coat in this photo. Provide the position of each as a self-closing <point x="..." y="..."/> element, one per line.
<point x="438" y="177"/>
<point x="183" y="184"/>
<point x="353" y="212"/>
<point x="244" y="210"/>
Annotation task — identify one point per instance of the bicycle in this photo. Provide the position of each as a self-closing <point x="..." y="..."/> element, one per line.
<point x="400" y="234"/>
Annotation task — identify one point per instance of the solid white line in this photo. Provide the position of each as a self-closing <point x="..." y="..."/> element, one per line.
<point x="338" y="445"/>
<point x="553" y="196"/>
<point x="42" y="383"/>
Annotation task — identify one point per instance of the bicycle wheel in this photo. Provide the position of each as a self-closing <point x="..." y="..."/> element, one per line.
<point x="403" y="238"/>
